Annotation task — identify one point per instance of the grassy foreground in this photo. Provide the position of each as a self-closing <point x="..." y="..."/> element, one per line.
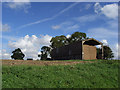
<point x="101" y="74"/>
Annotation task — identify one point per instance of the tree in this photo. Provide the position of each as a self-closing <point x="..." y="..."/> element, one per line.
<point x="45" y="51"/>
<point x="39" y="55"/>
<point x="58" y="41"/>
<point x="62" y="40"/>
<point x="108" y="54"/>
<point x="77" y="36"/>
<point x="17" y="54"/>
<point x="43" y="56"/>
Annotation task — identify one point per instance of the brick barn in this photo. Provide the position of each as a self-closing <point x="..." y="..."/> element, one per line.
<point x="85" y="49"/>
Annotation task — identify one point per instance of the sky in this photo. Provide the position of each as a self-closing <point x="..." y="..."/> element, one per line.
<point x="31" y="25"/>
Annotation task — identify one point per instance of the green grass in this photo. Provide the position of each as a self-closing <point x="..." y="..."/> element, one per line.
<point x="101" y="74"/>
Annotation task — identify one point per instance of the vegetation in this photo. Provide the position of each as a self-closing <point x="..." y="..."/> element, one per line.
<point x="77" y="36"/>
<point x="45" y="52"/>
<point x="100" y="74"/>
<point x="17" y="54"/>
<point x="108" y="54"/>
<point x="60" y="41"/>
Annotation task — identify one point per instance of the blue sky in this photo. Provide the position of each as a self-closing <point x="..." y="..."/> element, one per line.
<point x="34" y="23"/>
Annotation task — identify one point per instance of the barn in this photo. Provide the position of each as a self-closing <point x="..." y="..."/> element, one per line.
<point x="84" y="49"/>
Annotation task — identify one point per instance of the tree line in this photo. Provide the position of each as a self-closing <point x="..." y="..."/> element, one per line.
<point x="60" y="41"/>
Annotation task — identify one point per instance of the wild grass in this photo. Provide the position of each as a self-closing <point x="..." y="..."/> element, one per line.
<point x="101" y="74"/>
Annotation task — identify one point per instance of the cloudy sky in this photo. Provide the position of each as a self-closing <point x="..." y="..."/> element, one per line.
<point x="30" y="25"/>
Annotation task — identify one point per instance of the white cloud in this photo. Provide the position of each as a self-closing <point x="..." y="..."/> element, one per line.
<point x="97" y="8"/>
<point x="4" y="54"/>
<point x="114" y="48"/>
<point x="30" y="46"/>
<point x="66" y="9"/>
<point x="73" y="27"/>
<point x="113" y="24"/>
<point x="55" y="27"/>
<point x="50" y="18"/>
<point x="68" y="36"/>
<point x="86" y="18"/>
<point x="104" y="42"/>
<point x="18" y="4"/>
<point x="67" y="26"/>
<point x="98" y="46"/>
<point x="5" y="27"/>
<point x="66" y="23"/>
<point x="87" y="6"/>
<point x="45" y="39"/>
<point x="102" y="33"/>
<point x="110" y="10"/>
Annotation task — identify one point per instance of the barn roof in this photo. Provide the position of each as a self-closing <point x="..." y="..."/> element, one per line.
<point x="92" y="41"/>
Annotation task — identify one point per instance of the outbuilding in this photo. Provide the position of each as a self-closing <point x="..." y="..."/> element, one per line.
<point x="84" y="49"/>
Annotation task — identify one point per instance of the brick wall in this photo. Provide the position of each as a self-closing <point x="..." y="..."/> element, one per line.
<point x="89" y="52"/>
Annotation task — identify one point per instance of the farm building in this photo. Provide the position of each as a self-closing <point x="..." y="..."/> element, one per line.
<point x="84" y="49"/>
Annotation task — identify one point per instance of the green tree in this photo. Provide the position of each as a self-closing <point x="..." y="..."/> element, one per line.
<point x="108" y="54"/>
<point x="58" y="41"/>
<point x="17" y="54"/>
<point x="39" y="55"/>
<point x="43" y="55"/>
<point x="62" y="40"/>
<point x="45" y="51"/>
<point x="77" y="36"/>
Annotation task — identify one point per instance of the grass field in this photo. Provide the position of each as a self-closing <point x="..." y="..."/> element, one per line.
<point x="100" y="74"/>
